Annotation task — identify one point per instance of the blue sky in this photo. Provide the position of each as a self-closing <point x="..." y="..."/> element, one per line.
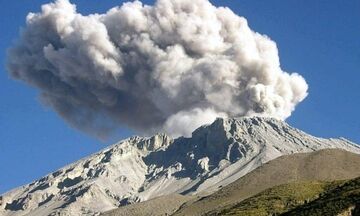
<point x="318" y="39"/>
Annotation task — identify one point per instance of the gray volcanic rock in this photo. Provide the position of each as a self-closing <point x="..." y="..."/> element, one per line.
<point x="139" y="169"/>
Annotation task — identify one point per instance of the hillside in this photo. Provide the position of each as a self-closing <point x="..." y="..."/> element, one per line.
<point x="324" y="165"/>
<point x="164" y="205"/>
<point x="297" y="169"/>
<point x="143" y="168"/>
<point x="342" y="200"/>
<point x="278" y="199"/>
<point x="302" y="199"/>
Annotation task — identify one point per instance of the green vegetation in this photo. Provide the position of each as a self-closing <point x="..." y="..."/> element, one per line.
<point x="279" y="199"/>
<point x="342" y="198"/>
<point x="302" y="199"/>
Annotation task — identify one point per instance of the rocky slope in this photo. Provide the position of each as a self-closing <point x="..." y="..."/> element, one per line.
<point x="138" y="169"/>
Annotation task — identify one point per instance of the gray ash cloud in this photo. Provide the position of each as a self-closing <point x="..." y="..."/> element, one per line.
<point x="168" y="67"/>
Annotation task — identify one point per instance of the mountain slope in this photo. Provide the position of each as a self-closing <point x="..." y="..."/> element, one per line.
<point x="139" y="169"/>
<point x="301" y="171"/>
<point x="323" y="165"/>
<point x="342" y="200"/>
<point x="302" y="199"/>
<point x="278" y="199"/>
<point x="161" y="206"/>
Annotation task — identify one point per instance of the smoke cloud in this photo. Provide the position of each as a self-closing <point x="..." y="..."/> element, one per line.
<point x="168" y="67"/>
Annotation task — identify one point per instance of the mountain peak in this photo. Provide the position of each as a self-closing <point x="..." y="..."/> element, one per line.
<point x="141" y="168"/>
<point x="232" y="138"/>
<point x="239" y="125"/>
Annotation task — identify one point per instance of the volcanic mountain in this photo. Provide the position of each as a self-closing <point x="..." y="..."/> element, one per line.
<point x="142" y="168"/>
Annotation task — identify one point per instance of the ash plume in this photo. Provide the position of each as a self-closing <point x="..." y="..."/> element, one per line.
<point x="168" y="67"/>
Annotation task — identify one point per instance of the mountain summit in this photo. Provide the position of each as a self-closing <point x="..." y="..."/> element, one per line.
<point x="140" y="168"/>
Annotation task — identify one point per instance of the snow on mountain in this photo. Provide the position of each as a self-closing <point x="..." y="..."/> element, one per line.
<point x="138" y="168"/>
